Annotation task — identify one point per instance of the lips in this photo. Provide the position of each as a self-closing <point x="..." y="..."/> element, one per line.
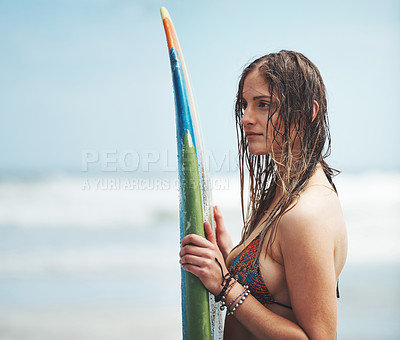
<point x="252" y="134"/>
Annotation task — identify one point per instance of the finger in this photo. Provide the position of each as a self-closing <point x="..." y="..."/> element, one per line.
<point x="196" y="240"/>
<point x="193" y="260"/>
<point x="219" y="220"/>
<point x="209" y="233"/>
<point x="195" y="270"/>
<point x="220" y="225"/>
<point x="194" y="250"/>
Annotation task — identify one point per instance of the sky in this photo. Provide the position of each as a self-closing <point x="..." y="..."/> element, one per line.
<point x="86" y="85"/>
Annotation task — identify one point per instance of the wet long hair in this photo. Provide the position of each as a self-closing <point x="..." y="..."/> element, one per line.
<point x="294" y="83"/>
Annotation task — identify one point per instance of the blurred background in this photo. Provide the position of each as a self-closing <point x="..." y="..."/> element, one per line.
<point x="89" y="233"/>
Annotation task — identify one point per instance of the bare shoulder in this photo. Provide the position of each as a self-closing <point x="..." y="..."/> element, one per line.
<point x="317" y="208"/>
<point x="315" y="223"/>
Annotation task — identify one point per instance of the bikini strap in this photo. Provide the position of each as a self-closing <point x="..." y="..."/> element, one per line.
<point x="337" y="289"/>
<point x="281" y="304"/>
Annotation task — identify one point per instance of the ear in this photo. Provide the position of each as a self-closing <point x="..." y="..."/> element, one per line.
<point x="315" y="110"/>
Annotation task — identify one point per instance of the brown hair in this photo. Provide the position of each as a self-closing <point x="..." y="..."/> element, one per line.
<point x="294" y="83"/>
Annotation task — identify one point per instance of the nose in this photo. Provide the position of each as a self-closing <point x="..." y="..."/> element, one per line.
<point x="248" y="117"/>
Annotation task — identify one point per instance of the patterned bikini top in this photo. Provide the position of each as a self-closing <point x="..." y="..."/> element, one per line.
<point x="247" y="272"/>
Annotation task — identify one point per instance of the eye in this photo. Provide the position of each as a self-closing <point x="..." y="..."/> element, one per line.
<point x="244" y="104"/>
<point x="263" y="104"/>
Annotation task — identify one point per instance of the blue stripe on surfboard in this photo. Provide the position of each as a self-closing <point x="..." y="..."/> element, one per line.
<point x="184" y="119"/>
<point x="183" y="113"/>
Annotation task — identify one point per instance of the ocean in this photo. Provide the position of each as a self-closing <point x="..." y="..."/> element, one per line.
<point x="96" y="257"/>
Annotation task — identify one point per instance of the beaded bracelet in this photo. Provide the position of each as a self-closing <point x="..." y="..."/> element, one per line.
<point x="241" y="297"/>
<point x="223" y="299"/>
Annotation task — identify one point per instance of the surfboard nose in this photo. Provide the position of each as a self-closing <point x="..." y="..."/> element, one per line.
<point x="164" y="13"/>
<point x="172" y="40"/>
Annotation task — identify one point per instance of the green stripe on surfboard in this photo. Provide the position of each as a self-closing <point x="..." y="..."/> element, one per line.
<point x="197" y="305"/>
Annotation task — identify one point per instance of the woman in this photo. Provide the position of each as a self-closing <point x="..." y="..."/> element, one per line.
<point x="280" y="282"/>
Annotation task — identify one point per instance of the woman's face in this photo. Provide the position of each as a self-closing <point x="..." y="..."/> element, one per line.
<point x="256" y="105"/>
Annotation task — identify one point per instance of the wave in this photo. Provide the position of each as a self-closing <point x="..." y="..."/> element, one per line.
<point x="370" y="201"/>
<point x="77" y="202"/>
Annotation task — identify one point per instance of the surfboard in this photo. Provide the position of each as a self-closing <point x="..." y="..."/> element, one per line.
<point x="201" y="317"/>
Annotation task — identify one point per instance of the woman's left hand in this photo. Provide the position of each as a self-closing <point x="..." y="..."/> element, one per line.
<point x="198" y="256"/>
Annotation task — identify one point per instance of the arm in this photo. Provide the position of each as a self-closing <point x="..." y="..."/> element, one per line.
<point x="307" y="248"/>
<point x="307" y="243"/>
<point x="198" y="257"/>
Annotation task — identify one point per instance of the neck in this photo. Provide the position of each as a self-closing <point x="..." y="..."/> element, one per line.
<point x="284" y="176"/>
